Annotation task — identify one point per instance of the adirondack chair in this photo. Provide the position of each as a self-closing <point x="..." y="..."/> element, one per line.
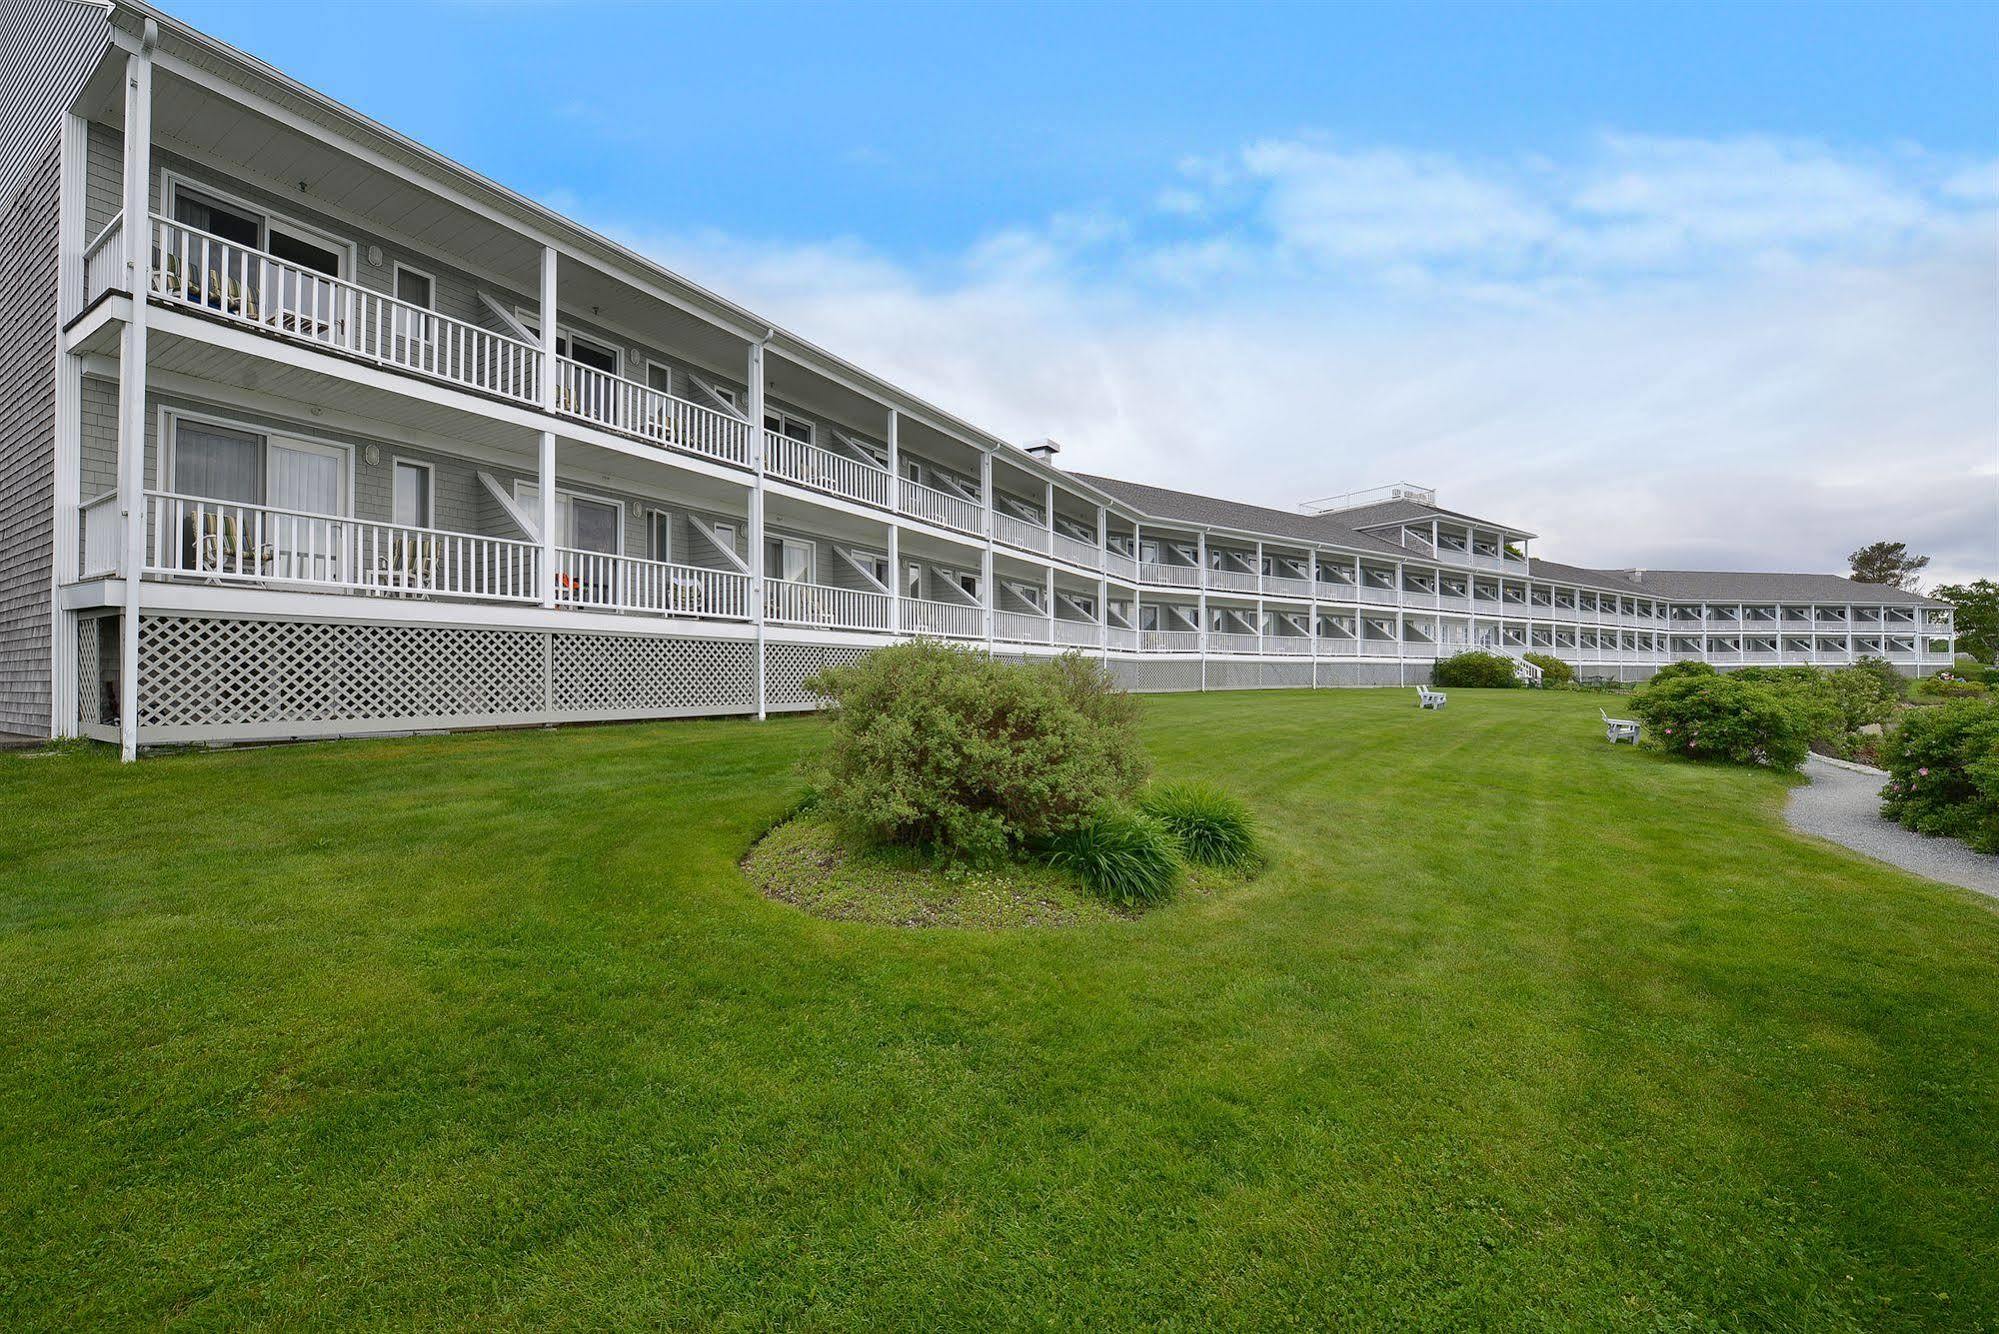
<point x="219" y="545"/>
<point x="1619" y="729"/>
<point x="1427" y="698"/>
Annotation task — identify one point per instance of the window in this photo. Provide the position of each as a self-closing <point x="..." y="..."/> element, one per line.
<point x="412" y="494"/>
<point x="659" y="377"/>
<point x="725" y="533"/>
<point x="878" y="567"/>
<point x="912" y="470"/>
<point x="660" y="529"/>
<point x="788" y="559"/>
<point x="205" y="214"/>
<point x="585" y="523"/>
<point x="416" y="287"/>
<point x="912" y="583"/>
<point x="303" y="248"/>
<point x="970" y="583"/>
<point x="216" y="463"/>
<point x="583" y="351"/>
<point x="788" y="426"/>
<point x="1148" y="617"/>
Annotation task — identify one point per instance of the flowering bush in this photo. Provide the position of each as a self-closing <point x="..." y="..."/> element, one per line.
<point x="1943" y="767"/>
<point x="1711" y="717"/>
<point x="1672" y="671"/>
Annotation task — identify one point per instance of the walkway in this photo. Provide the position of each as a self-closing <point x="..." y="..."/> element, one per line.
<point x="1845" y="807"/>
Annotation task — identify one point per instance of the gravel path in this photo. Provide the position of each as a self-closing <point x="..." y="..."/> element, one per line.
<point x="1845" y="807"/>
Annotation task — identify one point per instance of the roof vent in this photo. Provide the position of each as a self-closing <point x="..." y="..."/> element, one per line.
<point x="1044" y="449"/>
<point x="1374" y="495"/>
<point x="1638" y="576"/>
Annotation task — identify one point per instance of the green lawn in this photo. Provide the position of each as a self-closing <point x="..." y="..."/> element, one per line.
<point x="1516" y="1031"/>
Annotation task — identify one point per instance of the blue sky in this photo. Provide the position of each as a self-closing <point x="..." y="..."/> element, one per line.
<point x="1529" y="254"/>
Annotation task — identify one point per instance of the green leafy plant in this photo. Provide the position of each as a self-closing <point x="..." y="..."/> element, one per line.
<point x="970" y="759"/>
<point x="1554" y="672"/>
<point x="1947" y="685"/>
<point x="1126" y="856"/>
<point x="1212" y="827"/>
<point x="1722" y="718"/>
<point x="1943" y="772"/>
<point x="1673" y="671"/>
<point x="1893" y="684"/>
<point x="1475" y="670"/>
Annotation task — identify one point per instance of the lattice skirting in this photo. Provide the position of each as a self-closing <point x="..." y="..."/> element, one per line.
<point x="215" y="678"/>
<point x="787" y="666"/>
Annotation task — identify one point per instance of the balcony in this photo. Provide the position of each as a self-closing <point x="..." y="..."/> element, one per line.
<point x="942" y="620"/>
<point x="630" y="408"/>
<point x="1235" y="581"/>
<point x="942" y="508"/>
<point x="1016" y="532"/>
<point x="825" y="471"/>
<point x="1022" y="627"/>
<point x="1296" y="646"/>
<point x="1078" y="634"/>
<point x="1119" y="565"/>
<point x="1169" y="641"/>
<point x="1223" y="641"/>
<point x="1377" y="594"/>
<point x="220" y="279"/>
<point x="1284" y="585"/>
<point x="1173" y="576"/>
<point x="1078" y="552"/>
<point x="788" y="602"/>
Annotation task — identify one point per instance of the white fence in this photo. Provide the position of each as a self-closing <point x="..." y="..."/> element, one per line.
<point x="227" y="541"/>
<point x="198" y="269"/>
<point x="1170" y="641"/>
<point x="1174" y="576"/>
<point x="942" y="508"/>
<point x="1082" y="633"/>
<point x="835" y="474"/>
<point x="636" y="409"/>
<point x="1020" y="627"/>
<point x="820" y="604"/>
<point x="628" y="583"/>
<point x="1079" y="552"/>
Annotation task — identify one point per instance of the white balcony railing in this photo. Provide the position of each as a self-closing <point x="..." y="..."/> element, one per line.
<point x="1120" y="566"/>
<point x="1086" y="634"/>
<point x="195" y="268"/>
<point x="795" y="603"/>
<point x="946" y="620"/>
<point x="1017" y="532"/>
<point x="1173" y="576"/>
<point x="822" y="470"/>
<point x="1169" y="641"/>
<point x="1337" y="646"/>
<point x="661" y="419"/>
<point x="103" y="536"/>
<point x="1079" y="552"/>
<point x="1285" y="585"/>
<point x="942" y="508"/>
<point x="104" y="260"/>
<point x="1296" y="646"/>
<point x="226" y="541"/>
<point x="1224" y="641"/>
<point x="1335" y="591"/>
<point x="627" y="583"/>
<point x="1239" y="581"/>
<point x="1021" y="627"/>
<point x="1378" y="594"/>
<point x="1119" y="637"/>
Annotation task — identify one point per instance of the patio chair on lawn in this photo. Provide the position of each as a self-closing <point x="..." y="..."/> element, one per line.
<point x="1427" y="698"/>
<point x="1619" y="729"/>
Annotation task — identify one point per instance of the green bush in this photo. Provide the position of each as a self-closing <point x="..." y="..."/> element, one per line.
<point x="945" y="750"/>
<point x="1554" y="672"/>
<point x="1947" y="685"/>
<point x="1713" y="717"/>
<point x="1213" y="828"/>
<point x="1673" y="671"/>
<point x="1943" y="767"/>
<point x="1475" y="670"/>
<point x="1832" y="704"/>
<point x="1125" y="856"/>
<point x="1893" y="684"/>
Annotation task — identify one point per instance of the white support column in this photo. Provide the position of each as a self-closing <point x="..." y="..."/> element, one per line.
<point x="754" y="377"/>
<point x="1048" y="512"/>
<point x="894" y="528"/>
<point x="1048" y="599"/>
<point x="67" y="482"/>
<point x="988" y="594"/>
<point x="545" y="470"/>
<point x="132" y="376"/>
<point x="1201" y="600"/>
<point x="1103" y="582"/>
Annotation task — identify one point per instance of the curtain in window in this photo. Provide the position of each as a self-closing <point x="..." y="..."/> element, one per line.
<point x="218" y="464"/>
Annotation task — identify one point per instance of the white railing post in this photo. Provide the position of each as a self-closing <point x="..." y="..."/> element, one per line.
<point x="546" y="463"/>
<point x="754" y="379"/>
<point x="894" y="528"/>
<point x="987" y="593"/>
<point x="132" y="376"/>
<point x="1103" y="582"/>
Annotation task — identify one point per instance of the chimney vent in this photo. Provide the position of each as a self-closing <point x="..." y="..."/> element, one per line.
<point x="1044" y="449"/>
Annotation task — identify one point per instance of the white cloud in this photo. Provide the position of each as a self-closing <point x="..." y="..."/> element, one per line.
<point x="1742" y="353"/>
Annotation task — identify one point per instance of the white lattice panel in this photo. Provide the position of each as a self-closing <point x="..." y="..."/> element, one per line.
<point x="786" y="667"/>
<point x="213" y="672"/>
<point x="1287" y="675"/>
<point x="646" y="674"/>
<point x="1164" y="676"/>
<point x="96" y="670"/>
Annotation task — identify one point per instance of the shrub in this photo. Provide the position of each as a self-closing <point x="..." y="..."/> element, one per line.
<point x="1554" y="672"/>
<point x="1893" y="684"/>
<point x="1943" y="767"/>
<point x="1673" y="671"/>
<point x="1475" y="670"/>
<point x="1125" y="856"/>
<point x="1947" y="685"/>
<point x="1213" y="828"/>
<point x="1713" y="717"/>
<point x="945" y="750"/>
<point x="1861" y="696"/>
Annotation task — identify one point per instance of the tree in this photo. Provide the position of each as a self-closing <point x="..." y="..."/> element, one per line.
<point x="1977" y="616"/>
<point x="1886" y="563"/>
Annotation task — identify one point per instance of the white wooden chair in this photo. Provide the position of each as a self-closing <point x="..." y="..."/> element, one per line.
<point x="1427" y="698"/>
<point x="1619" y="729"/>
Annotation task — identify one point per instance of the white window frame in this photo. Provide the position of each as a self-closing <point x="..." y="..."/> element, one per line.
<point x="785" y="542"/>
<point x="531" y="321"/>
<point x="169" y="420"/>
<point x="785" y="418"/>
<point x="396" y="464"/>
<point x="172" y="181"/>
<point x="523" y="487"/>
<point x="660" y="542"/>
<point x="912" y="573"/>
<point x="396" y="272"/>
<point x="647" y="369"/>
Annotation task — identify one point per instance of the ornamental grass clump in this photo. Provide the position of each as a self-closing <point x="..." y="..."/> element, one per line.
<point x="1128" y="857"/>
<point x="1212" y="827"/>
<point x="968" y="759"/>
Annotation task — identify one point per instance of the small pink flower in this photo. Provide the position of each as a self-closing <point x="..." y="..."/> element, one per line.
<point x="1924" y="773"/>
